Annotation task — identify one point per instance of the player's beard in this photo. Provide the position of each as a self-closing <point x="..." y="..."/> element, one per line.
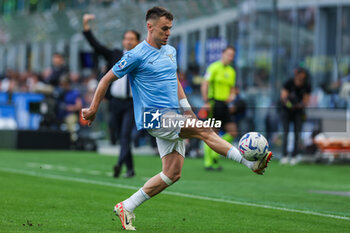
<point x="162" y="42"/>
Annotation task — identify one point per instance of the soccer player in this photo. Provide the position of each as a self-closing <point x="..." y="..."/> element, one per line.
<point x="154" y="83"/>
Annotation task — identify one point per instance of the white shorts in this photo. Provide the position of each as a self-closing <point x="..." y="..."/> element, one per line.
<point x="168" y="138"/>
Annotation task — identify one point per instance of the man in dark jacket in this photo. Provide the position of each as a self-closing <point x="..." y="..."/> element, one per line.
<point x="119" y="94"/>
<point x="57" y="70"/>
<point x="295" y="95"/>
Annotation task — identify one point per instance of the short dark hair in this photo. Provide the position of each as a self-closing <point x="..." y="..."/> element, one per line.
<point x="157" y="12"/>
<point x="229" y="47"/>
<point x="58" y="54"/>
<point x="137" y="34"/>
<point x="300" y="70"/>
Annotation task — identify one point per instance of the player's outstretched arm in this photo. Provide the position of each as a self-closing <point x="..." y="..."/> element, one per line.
<point x="86" y="19"/>
<point x="89" y="36"/>
<point x="90" y="113"/>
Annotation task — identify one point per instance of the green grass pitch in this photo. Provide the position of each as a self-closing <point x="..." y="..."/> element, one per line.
<point x="66" y="191"/>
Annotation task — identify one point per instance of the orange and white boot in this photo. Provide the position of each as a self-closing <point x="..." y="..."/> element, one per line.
<point x="125" y="217"/>
<point x="260" y="165"/>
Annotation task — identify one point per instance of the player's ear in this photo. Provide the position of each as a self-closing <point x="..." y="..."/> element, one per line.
<point x="150" y="26"/>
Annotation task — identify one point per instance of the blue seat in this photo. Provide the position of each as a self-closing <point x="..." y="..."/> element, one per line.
<point x="4" y="97"/>
<point x="7" y="111"/>
<point x="25" y="119"/>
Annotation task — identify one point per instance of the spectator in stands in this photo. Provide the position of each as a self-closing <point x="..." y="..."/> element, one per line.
<point x="344" y="84"/>
<point x="193" y="77"/>
<point x="295" y="96"/>
<point x="22" y="81"/>
<point x="70" y="105"/>
<point x="76" y="82"/>
<point x="119" y="94"/>
<point x="237" y="107"/>
<point x="58" y="68"/>
<point x="10" y="81"/>
<point x="33" y="81"/>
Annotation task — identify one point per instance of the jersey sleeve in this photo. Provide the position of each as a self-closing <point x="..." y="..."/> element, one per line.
<point x="175" y="56"/>
<point x="209" y="73"/>
<point x="129" y="62"/>
<point x="233" y="78"/>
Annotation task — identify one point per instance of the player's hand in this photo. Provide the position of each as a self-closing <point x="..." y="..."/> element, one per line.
<point x="190" y="114"/>
<point x="230" y="99"/>
<point x="206" y="106"/>
<point x="88" y="115"/>
<point x="88" y="17"/>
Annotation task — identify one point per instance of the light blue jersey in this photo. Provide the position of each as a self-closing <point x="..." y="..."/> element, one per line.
<point x="152" y="74"/>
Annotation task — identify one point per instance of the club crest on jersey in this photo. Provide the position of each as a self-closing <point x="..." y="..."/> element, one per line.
<point x="122" y="64"/>
<point x="171" y="57"/>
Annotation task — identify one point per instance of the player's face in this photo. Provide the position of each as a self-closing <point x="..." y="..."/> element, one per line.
<point x="227" y="56"/>
<point x="161" y="30"/>
<point x="300" y="79"/>
<point x="57" y="60"/>
<point x="129" y="40"/>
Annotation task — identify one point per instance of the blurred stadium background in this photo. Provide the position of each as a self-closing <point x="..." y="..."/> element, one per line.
<point x="271" y="37"/>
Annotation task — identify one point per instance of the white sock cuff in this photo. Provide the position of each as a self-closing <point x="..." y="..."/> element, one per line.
<point x="144" y="194"/>
<point x="228" y="153"/>
<point x="166" y="179"/>
<point x="234" y="154"/>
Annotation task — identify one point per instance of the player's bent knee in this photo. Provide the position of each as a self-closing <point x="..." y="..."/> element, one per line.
<point x="176" y="177"/>
<point x="166" y="179"/>
<point x="169" y="180"/>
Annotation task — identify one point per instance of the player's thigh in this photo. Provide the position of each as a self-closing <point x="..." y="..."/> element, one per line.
<point x="172" y="163"/>
<point x="193" y="131"/>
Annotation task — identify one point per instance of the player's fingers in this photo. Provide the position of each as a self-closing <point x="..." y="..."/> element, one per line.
<point x="91" y="16"/>
<point x="85" y="117"/>
<point x="84" y="114"/>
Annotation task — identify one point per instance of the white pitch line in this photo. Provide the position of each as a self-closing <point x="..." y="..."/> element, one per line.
<point x="94" y="172"/>
<point x="61" y="168"/>
<point x="47" y="166"/>
<point x="77" y="170"/>
<point x="307" y="212"/>
<point x="109" y="174"/>
<point x="33" y="165"/>
<point x="145" y="178"/>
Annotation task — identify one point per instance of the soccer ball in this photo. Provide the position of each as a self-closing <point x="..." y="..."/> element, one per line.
<point x="253" y="146"/>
